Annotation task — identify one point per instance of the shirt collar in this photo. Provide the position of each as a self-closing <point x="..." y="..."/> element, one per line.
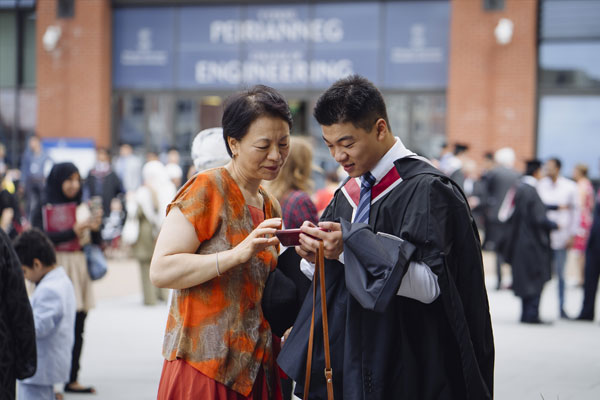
<point x="385" y="163"/>
<point x="530" y="180"/>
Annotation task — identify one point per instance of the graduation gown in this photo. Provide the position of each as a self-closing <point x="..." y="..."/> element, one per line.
<point x="528" y="242"/>
<point x="407" y="349"/>
<point x="18" y="353"/>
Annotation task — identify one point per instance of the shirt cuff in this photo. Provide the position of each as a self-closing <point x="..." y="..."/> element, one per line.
<point x="308" y="268"/>
<point x="419" y="283"/>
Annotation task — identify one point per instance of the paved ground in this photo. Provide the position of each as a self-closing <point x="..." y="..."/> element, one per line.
<point x="122" y="348"/>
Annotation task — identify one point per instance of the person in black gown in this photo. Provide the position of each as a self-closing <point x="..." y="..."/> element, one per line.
<point x="407" y="305"/>
<point x="527" y="246"/>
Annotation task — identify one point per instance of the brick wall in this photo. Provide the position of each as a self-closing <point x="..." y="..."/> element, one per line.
<point x="73" y="80"/>
<point x="491" y="90"/>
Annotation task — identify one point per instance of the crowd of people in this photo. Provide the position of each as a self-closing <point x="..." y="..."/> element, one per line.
<point x="531" y="220"/>
<point x="401" y="239"/>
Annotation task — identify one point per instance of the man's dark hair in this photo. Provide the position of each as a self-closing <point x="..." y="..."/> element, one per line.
<point x="556" y="161"/>
<point x="353" y="99"/>
<point x="242" y="109"/>
<point x="34" y="243"/>
<point x="532" y="166"/>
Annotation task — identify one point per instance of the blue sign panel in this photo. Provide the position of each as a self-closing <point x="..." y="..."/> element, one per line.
<point x="416" y="45"/>
<point x="143" y="48"/>
<point x="288" y="46"/>
<point x="209" y="50"/>
<point x="354" y="44"/>
<point x="276" y="41"/>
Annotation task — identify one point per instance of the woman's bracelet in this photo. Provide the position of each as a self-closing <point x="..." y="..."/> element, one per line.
<point x="218" y="270"/>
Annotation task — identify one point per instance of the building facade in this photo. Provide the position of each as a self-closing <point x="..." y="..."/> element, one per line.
<point x="487" y="73"/>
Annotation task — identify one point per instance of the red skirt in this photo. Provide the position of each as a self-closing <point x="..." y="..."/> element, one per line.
<point x="180" y="381"/>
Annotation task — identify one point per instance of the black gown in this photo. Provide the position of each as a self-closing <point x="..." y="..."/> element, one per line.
<point x="528" y="242"/>
<point x="18" y="355"/>
<point x="410" y="350"/>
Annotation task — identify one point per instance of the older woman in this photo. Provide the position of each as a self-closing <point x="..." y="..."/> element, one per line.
<point x="216" y="248"/>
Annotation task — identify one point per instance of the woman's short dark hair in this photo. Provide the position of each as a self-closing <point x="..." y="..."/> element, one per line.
<point x="353" y="99"/>
<point x="34" y="243"/>
<point x="242" y="109"/>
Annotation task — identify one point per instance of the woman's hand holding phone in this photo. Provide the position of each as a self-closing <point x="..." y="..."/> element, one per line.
<point x="258" y="240"/>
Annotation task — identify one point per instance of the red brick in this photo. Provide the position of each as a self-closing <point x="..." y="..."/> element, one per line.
<point x="492" y="87"/>
<point x="73" y="81"/>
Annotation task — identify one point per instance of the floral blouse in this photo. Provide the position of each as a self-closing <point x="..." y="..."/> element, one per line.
<point x="218" y="326"/>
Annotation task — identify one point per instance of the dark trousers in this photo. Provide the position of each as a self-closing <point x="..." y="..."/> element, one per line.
<point x="530" y="310"/>
<point x="79" y="325"/>
<point x="590" y="284"/>
<point x="499" y="262"/>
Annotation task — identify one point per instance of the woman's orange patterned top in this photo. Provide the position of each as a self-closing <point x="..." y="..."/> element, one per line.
<point x="218" y="326"/>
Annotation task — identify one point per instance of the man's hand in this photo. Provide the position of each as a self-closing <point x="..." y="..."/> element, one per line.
<point x="332" y="240"/>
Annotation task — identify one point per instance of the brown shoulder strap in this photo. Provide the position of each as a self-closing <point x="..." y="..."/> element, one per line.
<point x="319" y="276"/>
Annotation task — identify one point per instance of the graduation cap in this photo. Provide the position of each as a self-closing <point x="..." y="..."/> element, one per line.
<point x="460" y="148"/>
<point x="532" y="165"/>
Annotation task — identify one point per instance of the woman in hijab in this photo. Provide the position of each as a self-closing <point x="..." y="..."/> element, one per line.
<point x="70" y="225"/>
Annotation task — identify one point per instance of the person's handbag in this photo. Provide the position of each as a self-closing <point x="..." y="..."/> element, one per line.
<point x="96" y="262"/>
<point x="319" y="277"/>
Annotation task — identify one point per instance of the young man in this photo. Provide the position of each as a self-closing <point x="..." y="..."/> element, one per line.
<point x="53" y="304"/>
<point x="407" y="306"/>
<point x="527" y="245"/>
<point x="562" y="200"/>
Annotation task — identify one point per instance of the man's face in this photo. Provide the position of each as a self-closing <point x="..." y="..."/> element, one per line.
<point x="551" y="169"/>
<point x="355" y="149"/>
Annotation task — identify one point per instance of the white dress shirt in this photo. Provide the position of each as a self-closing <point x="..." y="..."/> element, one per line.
<point x="419" y="282"/>
<point x="562" y="193"/>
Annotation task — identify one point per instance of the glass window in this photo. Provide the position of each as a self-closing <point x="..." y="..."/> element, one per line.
<point x="8" y="50"/>
<point x="561" y="19"/>
<point x="29" y="50"/>
<point x="568" y="129"/>
<point x="493" y="5"/>
<point x="211" y="112"/>
<point x="160" y="122"/>
<point x="398" y="109"/>
<point x="419" y="120"/>
<point x="428" y="125"/>
<point x="570" y="65"/>
<point x="131" y="124"/>
<point x="187" y="124"/>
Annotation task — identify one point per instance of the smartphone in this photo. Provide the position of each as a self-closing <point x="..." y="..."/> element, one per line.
<point x="291" y="237"/>
<point x="95" y="203"/>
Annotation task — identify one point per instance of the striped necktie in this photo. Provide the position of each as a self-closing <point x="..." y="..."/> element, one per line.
<point x="364" y="204"/>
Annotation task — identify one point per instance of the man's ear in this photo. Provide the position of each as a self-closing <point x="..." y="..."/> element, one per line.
<point x="36" y="264"/>
<point x="381" y="129"/>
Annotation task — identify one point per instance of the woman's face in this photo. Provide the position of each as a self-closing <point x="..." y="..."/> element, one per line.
<point x="71" y="185"/>
<point x="263" y="151"/>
